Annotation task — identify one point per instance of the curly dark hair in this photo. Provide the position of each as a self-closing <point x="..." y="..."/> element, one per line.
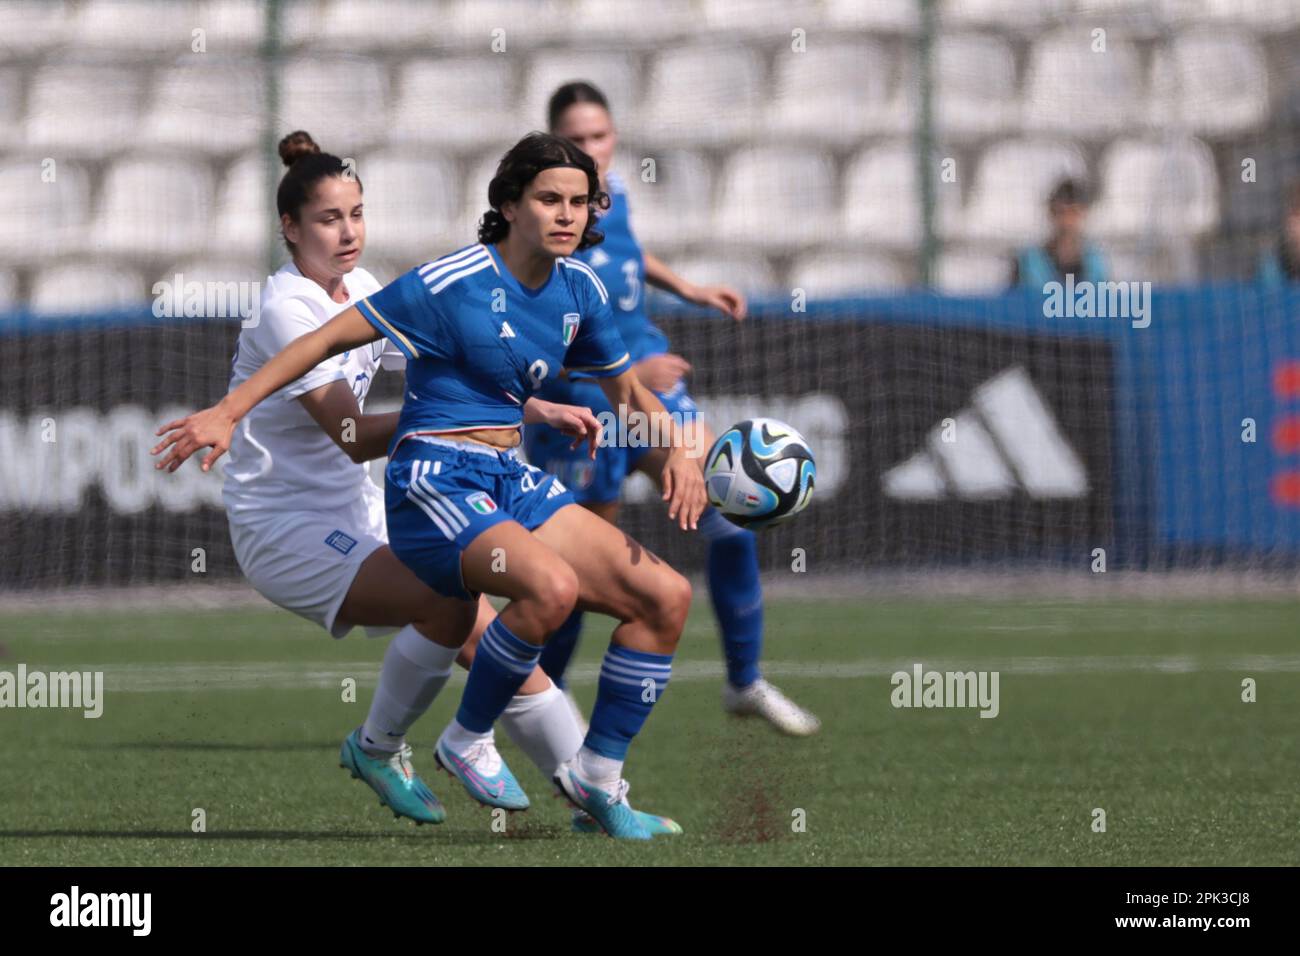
<point x="520" y="166"/>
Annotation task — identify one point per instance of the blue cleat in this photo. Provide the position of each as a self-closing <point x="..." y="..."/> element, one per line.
<point x="484" y="774"/>
<point x="393" y="778"/>
<point x="584" y="822"/>
<point x="610" y="811"/>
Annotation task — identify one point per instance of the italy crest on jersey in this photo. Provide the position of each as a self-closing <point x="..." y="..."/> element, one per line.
<point x="481" y="502"/>
<point x="570" y="327"/>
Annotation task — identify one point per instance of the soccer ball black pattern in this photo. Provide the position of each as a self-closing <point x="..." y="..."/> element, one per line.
<point x="760" y="472"/>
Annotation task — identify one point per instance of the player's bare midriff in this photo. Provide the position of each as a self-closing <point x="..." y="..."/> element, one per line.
<point x="494" y="437"/>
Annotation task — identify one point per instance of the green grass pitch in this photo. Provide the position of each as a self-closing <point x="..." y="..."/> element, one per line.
<point x="1135" y="708"/>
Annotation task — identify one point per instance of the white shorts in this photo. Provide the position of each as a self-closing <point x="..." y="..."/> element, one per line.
<point x="305" y="561"/>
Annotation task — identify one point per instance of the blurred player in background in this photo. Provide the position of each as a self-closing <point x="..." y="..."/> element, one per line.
<point x="1066" y="251"/>
<point x="1281" y="264"/>
<point x="579" y="112"/>
<point x="307" y="523"/>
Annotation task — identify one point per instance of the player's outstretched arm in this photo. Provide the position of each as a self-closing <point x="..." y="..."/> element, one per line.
<point x="724" y="298"/>
<point x="213" y="426"/>
<point x="683" y="479"/>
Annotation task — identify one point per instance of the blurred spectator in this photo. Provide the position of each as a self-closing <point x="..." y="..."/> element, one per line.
<point x="1281" y="264"/>
<point x="1065" y="251"/>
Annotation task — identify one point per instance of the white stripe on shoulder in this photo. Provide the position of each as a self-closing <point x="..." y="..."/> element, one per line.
<point x="433" y="271"/>
<point x="591" y="273"/>
<point x="476" y="266"/>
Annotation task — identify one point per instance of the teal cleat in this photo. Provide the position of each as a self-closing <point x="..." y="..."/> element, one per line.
<point x="584" y="822"/>
<point x="610" y="810"/>
<point x="484" y="775"/>
<point x="394" y="779"/>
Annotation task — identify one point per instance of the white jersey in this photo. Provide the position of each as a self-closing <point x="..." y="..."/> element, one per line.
<point x="280" y="459"/>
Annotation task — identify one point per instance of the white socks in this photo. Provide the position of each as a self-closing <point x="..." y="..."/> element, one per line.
<point x="543" y="726"/>
<point x="603" y="772"/>
<point x="414" y="671"/>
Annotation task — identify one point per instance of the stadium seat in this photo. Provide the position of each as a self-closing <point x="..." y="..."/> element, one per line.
<point x="245" y="206"/>
<point x="1006" y="15"/>
<point x="703" y="95"/>
<point x="11" y="104"/>
<point x="752" y="275"/>
<point x="390" y="25"/>
<point x="1210" y="83"/>
<point x="87" y="288"/>
<point x="1260" y="15"/>
<point x="1073" y="91"/>
<point x="340" y="100"/>
<point x="613" y="74"/>
<point x="411" y="204"/>
<point x="456" y="103"/>
<point x="154" y="207"/>
<point x="526" y="22"/>
<point x="775" y="197"/>
<point x="832" y="273"/>
<point x="678" y="206"/>
<point x="971" y="272"/>
<point x="975" y="86"/>
<point x="82" y="109"/>
<point x="1008" y="202"/>
<point x="761" y="18"/>
<point x="608" y="22"/>
<point x="882" y="199"/>
<point x="34" y="25"/>
<point x="1164" y="188"/>
<point x="473" y="202"/>
<point x="164" y="28"/>
<point x="879" y="16"/>
<point x="46" y="218"/>
<point x="212" y="104"/>
<point x="216" y="275"/>
<point x="811" y="99"/>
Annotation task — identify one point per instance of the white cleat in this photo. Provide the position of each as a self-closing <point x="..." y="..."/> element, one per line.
<point x="765" y="700"/>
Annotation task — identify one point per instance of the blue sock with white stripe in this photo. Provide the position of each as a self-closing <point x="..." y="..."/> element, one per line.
<point x="560" y="647"/>
<point x="501" y="665"/>
<point x="737" y="595"/>
<point x="631" y="682"/>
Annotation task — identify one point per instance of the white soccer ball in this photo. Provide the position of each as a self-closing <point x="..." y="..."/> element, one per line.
<point x="760" y="472"/>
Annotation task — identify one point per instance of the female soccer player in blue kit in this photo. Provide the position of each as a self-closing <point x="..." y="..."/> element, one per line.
<point x="482" y="329"/>
<point x="579" y="112"/>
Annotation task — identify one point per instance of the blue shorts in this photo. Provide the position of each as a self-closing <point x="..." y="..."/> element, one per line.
<point x="599" y="481"/>
<point x="441" y="494"/>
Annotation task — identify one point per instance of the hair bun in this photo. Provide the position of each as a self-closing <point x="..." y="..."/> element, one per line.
<point x="297" y="145"/>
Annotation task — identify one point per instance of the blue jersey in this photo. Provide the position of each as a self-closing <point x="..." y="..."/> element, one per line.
<point x="478" y="344"/>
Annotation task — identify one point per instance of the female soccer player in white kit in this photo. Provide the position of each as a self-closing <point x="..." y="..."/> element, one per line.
<point x="308" y="524"/>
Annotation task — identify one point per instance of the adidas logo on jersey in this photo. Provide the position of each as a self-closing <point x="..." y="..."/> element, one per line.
<point x="506" y="331"/>
<point x="599" y="257"/>
<point x="1005" y="441"/>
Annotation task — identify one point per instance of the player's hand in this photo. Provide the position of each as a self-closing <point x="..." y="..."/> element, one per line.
<point x="683" y="484"/>
<point x="210" y="427"/>
<point x="661" y="373"/>
<point x="576" y="421"/>
<point x="725" y="299"/>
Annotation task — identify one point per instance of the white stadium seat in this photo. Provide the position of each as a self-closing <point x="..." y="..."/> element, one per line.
<point x="761" y="18"/>
<point x="882" y="198"/>
<point x="1008" y="202"/>
<point x="608" y="22"/>
<point x="975" y="86"/>
<point x="245" y="207"/>
<point x="34" y="25"/>
<point x="210" y="104"/>
<point x="837" y="93"/>
<point x="752" y="275"/>
<point x="1261" y="15"/>
<point x="45" y="218"/>
<point x="612" y="73"/>
<point x="1166" y="188"/>
<point x="971" y="272"/>
<point x="526" y="23"/>
<point x="87" y="288"/>
<point x="168" y="28"/>
<point x="473" y="202"/>
<point x="1012" y="15"/>
<point x="340" y="101"/>
<point x="410" y="204"/>
<point x="878" y="16"/>
<point x="11" y="104"/>
<point x="1210" y="83"/>
<point x="678" y="206"/>
<point x="703" y="95"/>
<point x="456" y="103"/>
<point x="832" y="273"/>
<point x="392" y="24"/>
<point x="154" y="207"/>
<point x="776" y="197"/>
<point x="83" y="109"/>
<point x="1071" y="90"/>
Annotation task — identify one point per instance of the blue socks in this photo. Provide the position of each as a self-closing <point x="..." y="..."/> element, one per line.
<point x="737" y="595"/>
<point x="501" y="665"/>
<point x="560" y="647"/>
<point x="631" y="682"/>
